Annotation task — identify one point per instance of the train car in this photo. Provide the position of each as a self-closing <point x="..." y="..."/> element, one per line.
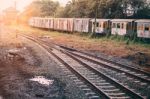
<point x="116" y="26"/>
<point x="51" y="23"/>
<point x="143" y="28"/>
<point x="70" y="24"/>
<point x="81" y="25"/>
<point x="33" y="22"/>
<point x="102" y="26"/>
<point x="62" y="24"/>
<point x="56" y="24"/>
<point x="122" y="26"/>
<point x="45" y="23"/>
<point x="42" y="22"/>
<point x="36" y="22"/>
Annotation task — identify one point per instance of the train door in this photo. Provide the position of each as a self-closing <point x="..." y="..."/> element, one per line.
<point x="85" y="25"/>
<point x="100" y="27"/>
<point x="115" y="28"/>
<point x="108" y="31"/>
<point x="129" y="28"/>
<point x="90" y="26"/>
<point x="123" y="29"/>
<point x="96" y="27"/>
<point x="79" y="25"/>
<point x="147" y="30"/>
<point x="50" y="23"/>
<point x="118" y="28"/>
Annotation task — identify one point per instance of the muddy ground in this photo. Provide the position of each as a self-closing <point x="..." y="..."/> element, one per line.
<point x="21" y="61"/>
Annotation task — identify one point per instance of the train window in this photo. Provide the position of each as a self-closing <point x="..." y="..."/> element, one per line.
<point x="93" y="23"/>
<point x="146" y="28"/>
<point x="118" y="25"/>
<point x="97" y="24"/>
<point x="114" y="25"/>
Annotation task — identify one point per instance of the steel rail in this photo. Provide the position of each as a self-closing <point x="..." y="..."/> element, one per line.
<point x="109" y="61"/>
<point x="125" y="89"/>
<point x="72" y="55"/>
<point x="113" y="68"/>
<point x="94" y="87"/>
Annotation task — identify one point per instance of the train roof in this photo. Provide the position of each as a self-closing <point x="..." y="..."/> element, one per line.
<point x="143" y="20"/>
<point x="122" y="20"/>
<point x="100" y="20"/>
<point x="82" y="18"/>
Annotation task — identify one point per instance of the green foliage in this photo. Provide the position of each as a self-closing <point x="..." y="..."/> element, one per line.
<point x="143" y="12"/>
<point x="41" y="8"/>
<point x="106" y="8"/>
<point x="48" y="8"/>
<point x="90" y="9"/>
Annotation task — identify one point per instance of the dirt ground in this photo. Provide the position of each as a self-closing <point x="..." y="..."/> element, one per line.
<point x="136" y="53"/>
<point x="16" y="70"/>
<point x="19" y="64"/>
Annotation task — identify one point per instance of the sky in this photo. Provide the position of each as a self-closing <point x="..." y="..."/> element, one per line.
<point x="21" y="4"/>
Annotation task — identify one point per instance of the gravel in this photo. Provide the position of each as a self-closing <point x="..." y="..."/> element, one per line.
<point x="52" y="69"/>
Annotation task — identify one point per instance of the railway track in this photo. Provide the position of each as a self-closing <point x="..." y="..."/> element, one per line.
<point x="102" y="77"/>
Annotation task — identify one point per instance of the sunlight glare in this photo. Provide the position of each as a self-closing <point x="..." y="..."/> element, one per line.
<point x="21" y="4"/>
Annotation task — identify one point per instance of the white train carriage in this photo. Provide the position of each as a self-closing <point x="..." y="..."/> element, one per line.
<point x="143" y="28"/>
<point x="122" y="26"/>
<point x="45" y="23"/>
<point x="37" y="22"/>
<point x="56" y="24"/>
<point x="81" y="24"/>
<point x="63" y="24"/>
<point x="70" y="24"/>
<point x="50" y="23"/>
<point x="33" y="21"/>
<point x="42" y="22"/>
<point x="102" y="25"/>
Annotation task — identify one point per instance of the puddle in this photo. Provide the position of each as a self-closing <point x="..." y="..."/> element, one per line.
<point x="16" y="50"/>
<point x="13" y="51"/>
<point x="42" y="80"/>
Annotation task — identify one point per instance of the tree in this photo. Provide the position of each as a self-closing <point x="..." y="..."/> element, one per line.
<point x="90" y="9"/>
<point x="41" y="8"/>
<point x="143" y="13"/>
<point x="49" y="8"/>
<point x="34" y="9"/>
